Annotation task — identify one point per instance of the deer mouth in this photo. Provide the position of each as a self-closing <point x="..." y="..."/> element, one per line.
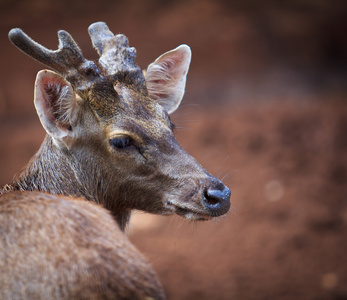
<point x="202" y="204"/>
<point x="188" y="212"/>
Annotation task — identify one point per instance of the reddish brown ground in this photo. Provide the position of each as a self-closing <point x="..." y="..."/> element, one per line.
<point x="286" y="237"/>
<point x="265" y="111"/>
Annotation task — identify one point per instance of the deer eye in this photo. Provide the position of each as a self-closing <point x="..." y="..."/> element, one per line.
<point x="122" y="143"/>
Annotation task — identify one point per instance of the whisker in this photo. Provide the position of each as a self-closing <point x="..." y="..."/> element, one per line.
<point x="225" y="176"/>
<point x="233" y="210"/>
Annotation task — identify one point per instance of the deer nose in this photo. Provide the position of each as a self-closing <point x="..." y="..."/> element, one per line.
<point x="217" y="201"/>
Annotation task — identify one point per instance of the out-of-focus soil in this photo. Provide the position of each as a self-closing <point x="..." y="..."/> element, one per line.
<point x="277" y="138"/>
<point x="286" y="237"/>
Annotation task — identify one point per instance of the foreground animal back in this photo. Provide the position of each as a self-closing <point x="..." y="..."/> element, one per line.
<point x="64" y="248"/>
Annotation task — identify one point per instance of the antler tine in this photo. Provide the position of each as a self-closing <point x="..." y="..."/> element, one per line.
<point x="62" y="60"/>
<point x="70" y="52"/>
<point x="99" y="32"/>
<point x="114" y="51"/>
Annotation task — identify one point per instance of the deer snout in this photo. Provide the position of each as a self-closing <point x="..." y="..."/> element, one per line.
<point x="216" y="199"/>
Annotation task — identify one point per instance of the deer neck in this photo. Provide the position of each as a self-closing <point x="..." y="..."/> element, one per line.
<point x="55" y="172"/>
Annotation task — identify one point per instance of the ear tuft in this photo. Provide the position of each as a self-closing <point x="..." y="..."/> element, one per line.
<point x="166" y="77"/>
<point x="55" y="103"/>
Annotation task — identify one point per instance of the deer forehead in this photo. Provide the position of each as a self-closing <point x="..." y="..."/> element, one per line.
<point x="128" y="110"/>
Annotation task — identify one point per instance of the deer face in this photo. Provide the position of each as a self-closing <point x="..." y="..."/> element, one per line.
<point x="118" y="135"/>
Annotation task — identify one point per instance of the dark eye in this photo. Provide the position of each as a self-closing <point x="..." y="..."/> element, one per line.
<point x="121" y="143"/>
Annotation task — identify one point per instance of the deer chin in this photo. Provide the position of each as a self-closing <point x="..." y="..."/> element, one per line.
<point x="188" y="211"/>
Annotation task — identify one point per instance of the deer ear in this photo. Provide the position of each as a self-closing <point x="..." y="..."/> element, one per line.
<point x="166" y="77"/>
<point x="55" y="103"/>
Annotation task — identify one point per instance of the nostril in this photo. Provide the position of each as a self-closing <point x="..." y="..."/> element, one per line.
<point x="217" y="201"/>
<point x="213" y="197"/>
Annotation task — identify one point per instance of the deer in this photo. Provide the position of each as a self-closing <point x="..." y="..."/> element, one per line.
<point x="109" y="149"/>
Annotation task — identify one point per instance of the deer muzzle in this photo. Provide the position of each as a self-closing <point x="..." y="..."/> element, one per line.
<point x="209" y="198"/>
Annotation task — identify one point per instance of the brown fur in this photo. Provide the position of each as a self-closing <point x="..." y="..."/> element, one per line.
<point x="56" y="247"/>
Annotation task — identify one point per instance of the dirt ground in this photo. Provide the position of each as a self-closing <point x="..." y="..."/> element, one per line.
<point x="267" y="118"/>
<point x="286" y="236"/>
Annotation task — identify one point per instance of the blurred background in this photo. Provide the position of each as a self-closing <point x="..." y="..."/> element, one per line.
<point x="265" y="110"/>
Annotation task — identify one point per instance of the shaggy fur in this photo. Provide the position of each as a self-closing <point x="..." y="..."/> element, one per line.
<point x="55" y="247"/>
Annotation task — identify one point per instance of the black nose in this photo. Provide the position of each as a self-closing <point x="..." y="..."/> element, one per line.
<point x="217" y="201"/>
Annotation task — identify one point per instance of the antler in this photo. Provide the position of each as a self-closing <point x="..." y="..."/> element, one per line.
<point x="67" y="60"/>
<point x="114" y="51"/>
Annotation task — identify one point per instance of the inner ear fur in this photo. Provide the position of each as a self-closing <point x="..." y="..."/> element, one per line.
<point x="55" y="103"/>
<point x="166" y="77"/>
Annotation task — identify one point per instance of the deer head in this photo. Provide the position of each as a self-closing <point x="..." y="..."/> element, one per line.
<point x="109" y="133"/>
